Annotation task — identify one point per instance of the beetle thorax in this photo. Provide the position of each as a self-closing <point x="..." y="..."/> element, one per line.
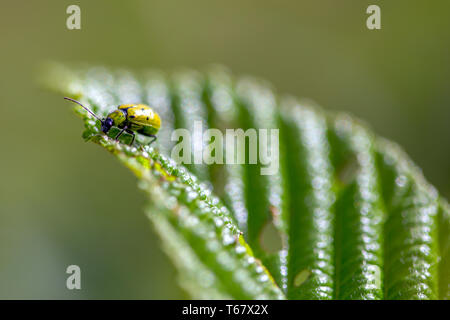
<point x="118" y="117"/>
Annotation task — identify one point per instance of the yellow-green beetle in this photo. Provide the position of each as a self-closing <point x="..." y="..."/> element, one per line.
<point x="130" y="118"/>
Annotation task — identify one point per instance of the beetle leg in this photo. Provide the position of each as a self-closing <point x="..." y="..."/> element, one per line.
<point x="134" y="136"/>
<point x="120" y="133"/>
<point x="154" y="139"/>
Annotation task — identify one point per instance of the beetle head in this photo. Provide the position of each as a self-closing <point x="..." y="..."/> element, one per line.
<point x="107" y="124"/>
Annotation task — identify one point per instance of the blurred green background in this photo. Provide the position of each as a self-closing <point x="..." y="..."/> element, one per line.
<point x="63" y="201"/>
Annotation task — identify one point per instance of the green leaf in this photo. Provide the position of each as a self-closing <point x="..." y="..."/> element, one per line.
<point x="310" y="230"/>
<point x="411" y="228"/>
<point x="354" y="217"/>
<point x="359" y="212"/>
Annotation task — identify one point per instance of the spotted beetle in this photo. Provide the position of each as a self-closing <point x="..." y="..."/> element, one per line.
<point x="130" y="118"/>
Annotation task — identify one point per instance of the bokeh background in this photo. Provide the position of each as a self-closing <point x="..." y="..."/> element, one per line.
<point x="63" y="201"/>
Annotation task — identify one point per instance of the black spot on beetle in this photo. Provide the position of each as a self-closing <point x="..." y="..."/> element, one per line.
<point x="147" y="118"/>
<point x="132" y="117"/>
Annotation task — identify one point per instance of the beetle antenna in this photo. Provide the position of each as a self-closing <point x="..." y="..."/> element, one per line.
<point x="85" y="108"/>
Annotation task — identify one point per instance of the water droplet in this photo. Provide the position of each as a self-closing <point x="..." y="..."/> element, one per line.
<point x="401" y="181"/>
<point x="263" y="278"/>
<point x="240" y="250"/>
<point x="218" y="222"/>
<point x="227" y="239"/>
